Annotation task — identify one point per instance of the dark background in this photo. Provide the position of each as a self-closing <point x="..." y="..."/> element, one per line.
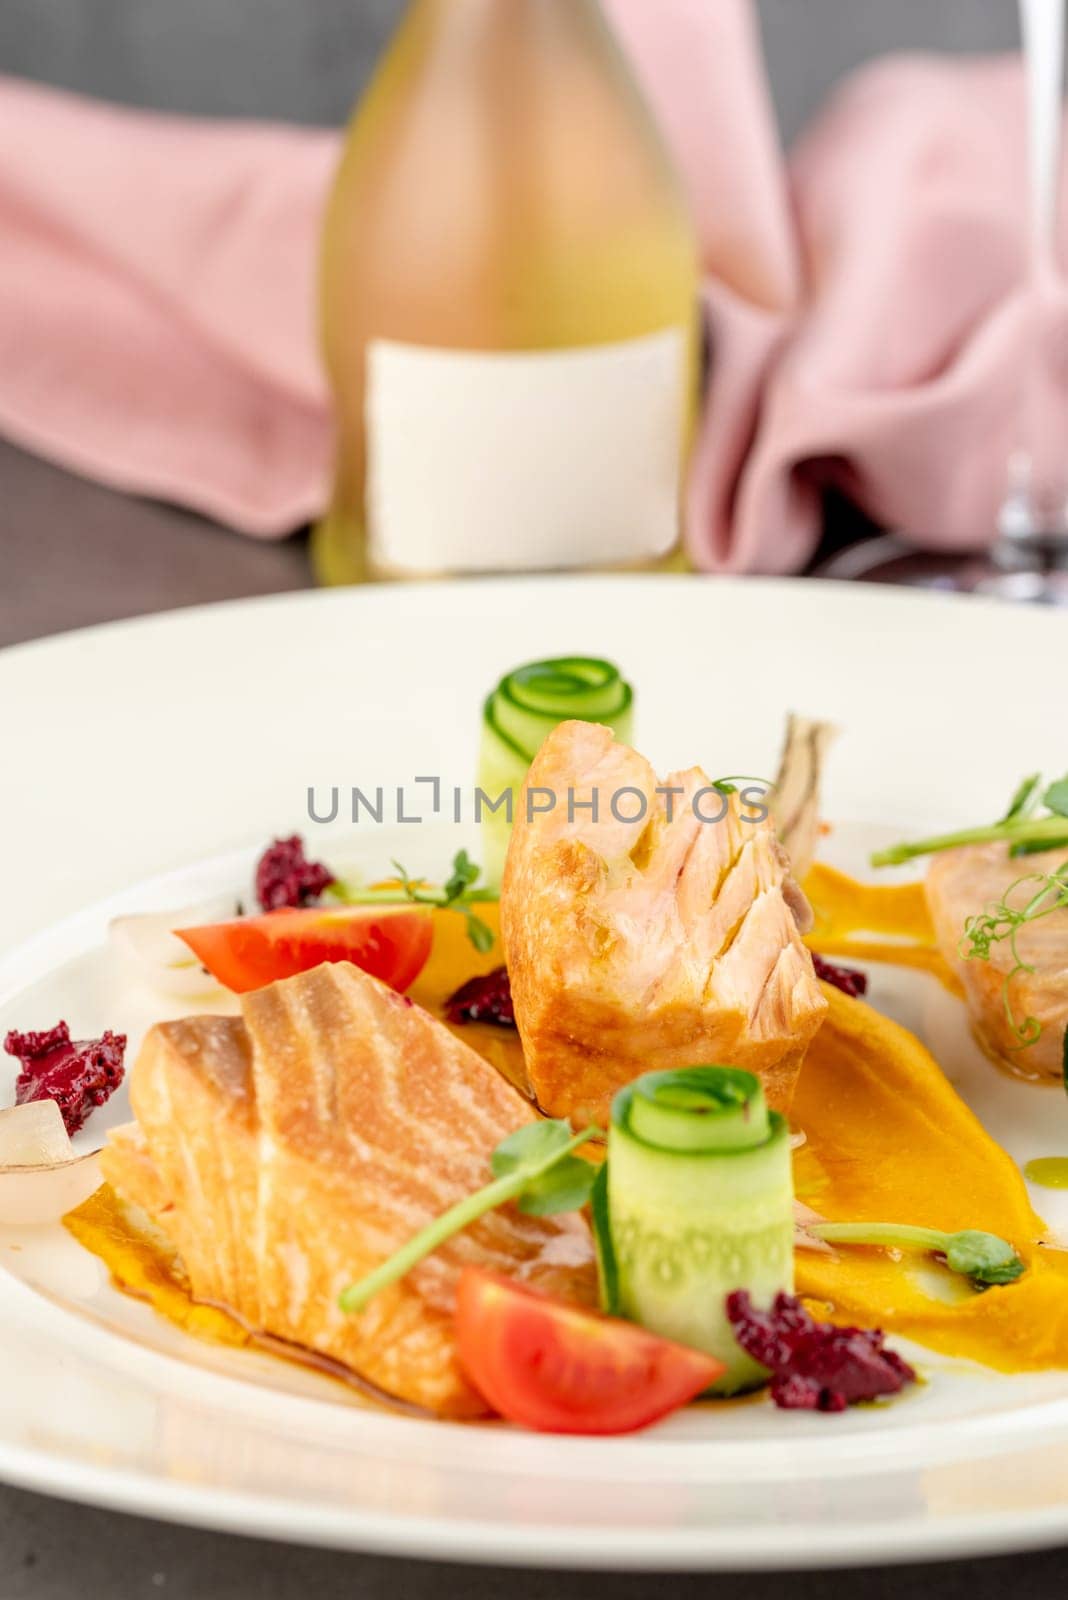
<point x="75" y="553"/>
<point x="305" y="60"/>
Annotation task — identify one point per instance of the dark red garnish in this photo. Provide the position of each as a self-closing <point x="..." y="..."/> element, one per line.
<point x="484" y="999"/>
<point x="78" y="1074"/>
<point x="848" y="979"/>
<point x="815" y="1366"/>
<point x="285" y="876"/>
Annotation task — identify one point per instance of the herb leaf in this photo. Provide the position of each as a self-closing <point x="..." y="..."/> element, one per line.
<point x="1055" y="798"/>
<point x="529" y="1148"/>
<point x="983" y="1258"/>
<point x="1022" y="801"/>
<point x="480" y="933"/>
<point x="465" y="872"/>
<point x="567" y="1186"/>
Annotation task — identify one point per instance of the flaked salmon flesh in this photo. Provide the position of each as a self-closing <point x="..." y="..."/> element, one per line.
<point x="660" y="942"/>
<point x="964" y="883"/>
<point x="287" y="1152"/>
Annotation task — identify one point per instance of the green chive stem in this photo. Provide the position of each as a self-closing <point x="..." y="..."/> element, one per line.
<point x="1014" y="830"/>
<point x="886" y="1234"/>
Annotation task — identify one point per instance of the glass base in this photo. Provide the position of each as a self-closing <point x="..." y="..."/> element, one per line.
<point x="1035" y="578"/>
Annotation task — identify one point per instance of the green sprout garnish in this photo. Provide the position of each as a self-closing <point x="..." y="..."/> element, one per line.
<point x="454" y="893"/>
<point x="604" y="1245"/>
<point x="982" y="1258"/>
<point x="457" y="893"/>
<point x="536" y="1167"/>
<point x="1019" y="828"/>
<point x="1001" y="922"/>
<point x="1025" y="834"/>
<point x="1022" y="802"/>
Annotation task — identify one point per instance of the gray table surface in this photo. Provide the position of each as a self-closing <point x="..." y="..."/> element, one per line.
<point x="71" y="554"/>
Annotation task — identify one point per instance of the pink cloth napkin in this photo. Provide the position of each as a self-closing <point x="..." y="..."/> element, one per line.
<point x="866" y="303"/>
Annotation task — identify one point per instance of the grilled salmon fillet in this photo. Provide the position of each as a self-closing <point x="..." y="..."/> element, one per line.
<point x="656" y="943"/>
<point x="962" y="883"/>
<point x="288" y="1151"/>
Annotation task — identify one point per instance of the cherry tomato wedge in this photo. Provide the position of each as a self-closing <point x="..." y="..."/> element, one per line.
<point x="390" y="942"/>
<point x="562" y="1369"/>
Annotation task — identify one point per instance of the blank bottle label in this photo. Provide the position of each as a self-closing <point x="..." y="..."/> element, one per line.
<point x="482" y="462"/>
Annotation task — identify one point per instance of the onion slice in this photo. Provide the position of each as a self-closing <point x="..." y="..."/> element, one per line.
<point x="795" y="799"/>
<point x="148" y="950"/>
<point x="41" y="1178"/>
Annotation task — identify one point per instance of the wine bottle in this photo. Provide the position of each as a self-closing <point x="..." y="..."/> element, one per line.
<point x="509" y="304"/>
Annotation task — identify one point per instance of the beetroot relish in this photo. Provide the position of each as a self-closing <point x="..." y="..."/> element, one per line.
<point x="484" y="999"/>
<point x="848" y="979"/>
<point x="815" y="1366"/>
<point x="285" y="876"/>
<point x="78" y="1074"/>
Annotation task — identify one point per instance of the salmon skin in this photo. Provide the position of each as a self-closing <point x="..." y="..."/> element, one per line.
<point x="963" y="883"/>
<point x="660" y="942"/>
<point x="287" y="1152"/>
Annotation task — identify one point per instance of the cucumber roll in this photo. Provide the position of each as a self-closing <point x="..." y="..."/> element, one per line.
<point x="699" y="1203"/>
<point x="518" y="716"/>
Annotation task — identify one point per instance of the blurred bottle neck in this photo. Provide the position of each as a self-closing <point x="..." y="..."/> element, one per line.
<point x="495" y="12"/>
<point x="481" y="18"/>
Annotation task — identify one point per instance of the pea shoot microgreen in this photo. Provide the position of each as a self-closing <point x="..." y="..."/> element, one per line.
<point x="536" y="1167"/>
<point x="455" y="893"/>
<point x="982" y="1258"/>
<point x="1023" y="831"/>
<point x="1023" y="800"/>
<point x="1002" y="921"/>
<point x="459" y="892"/>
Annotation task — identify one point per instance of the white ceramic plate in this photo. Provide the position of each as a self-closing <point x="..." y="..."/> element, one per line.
<point x="135" y="754"/>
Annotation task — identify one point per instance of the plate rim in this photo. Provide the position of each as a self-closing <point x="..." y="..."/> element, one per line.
<point x="788" y="1546"/>
<point x="362" y="594"/>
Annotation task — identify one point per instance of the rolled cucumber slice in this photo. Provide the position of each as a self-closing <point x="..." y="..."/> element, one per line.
<point x="699" y="1203"/>
<point x="521" y="712"/>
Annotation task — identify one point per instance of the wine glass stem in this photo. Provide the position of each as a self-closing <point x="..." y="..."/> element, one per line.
<point x="1043" y="28"/>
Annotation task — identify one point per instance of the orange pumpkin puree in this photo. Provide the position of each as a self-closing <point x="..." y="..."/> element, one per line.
<point x="889" y="1140"/>
<point x="874" y="922"/>
<point x="144" y="1264"/>
<point x="886" y="1139"/>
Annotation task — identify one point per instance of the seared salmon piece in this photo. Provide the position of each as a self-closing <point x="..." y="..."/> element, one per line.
<point x="287" y="1152"/>
<point x="963" y="883"/>
<point x="127" y="1151"/>
<point x="660" y="942"/>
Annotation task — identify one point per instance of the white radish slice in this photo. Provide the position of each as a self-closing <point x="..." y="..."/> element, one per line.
<point x="32" y="1196"/>
<point x="149" y="950"/>
<point x="41" y="1178"/>
<point x="33" y="1135"/>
